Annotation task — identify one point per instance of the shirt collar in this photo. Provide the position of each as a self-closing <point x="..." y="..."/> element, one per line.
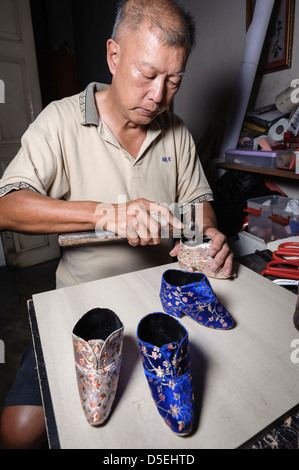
<point x="87" y="103"/>
<point x="89" y="110"/>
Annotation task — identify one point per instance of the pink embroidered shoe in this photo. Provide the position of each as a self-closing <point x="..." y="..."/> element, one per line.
<point x="97" y="339"/>
<point x="195" y="257"/>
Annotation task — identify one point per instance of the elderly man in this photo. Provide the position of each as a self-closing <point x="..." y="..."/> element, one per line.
<point x="108" y="159"/>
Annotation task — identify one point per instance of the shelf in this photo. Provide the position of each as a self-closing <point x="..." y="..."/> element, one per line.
<point x="263" y="171"/>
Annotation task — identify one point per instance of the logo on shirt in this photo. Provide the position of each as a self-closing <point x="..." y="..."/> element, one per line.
<point x="167" y="159"/>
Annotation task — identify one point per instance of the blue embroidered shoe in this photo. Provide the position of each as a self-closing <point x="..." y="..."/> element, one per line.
<point x="164" y="348"/>
<point x="97" y="340"/>
<point x="191" y="294"/>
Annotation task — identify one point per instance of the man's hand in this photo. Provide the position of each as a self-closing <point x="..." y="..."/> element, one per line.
<point x="138" y="220"/>
<point x="220" y="251"/>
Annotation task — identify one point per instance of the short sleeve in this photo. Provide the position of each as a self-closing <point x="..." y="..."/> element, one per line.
<point x="38" y="165"/>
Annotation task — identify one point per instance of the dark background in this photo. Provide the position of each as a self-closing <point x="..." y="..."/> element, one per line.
<point x="70" y="39"/>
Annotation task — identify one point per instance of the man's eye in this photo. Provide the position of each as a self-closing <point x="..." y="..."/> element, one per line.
<point x="174" y="84"/>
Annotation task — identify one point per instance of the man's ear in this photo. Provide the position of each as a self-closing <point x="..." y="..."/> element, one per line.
<point x="112" y="55"/>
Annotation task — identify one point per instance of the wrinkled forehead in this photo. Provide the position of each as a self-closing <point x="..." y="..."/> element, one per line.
<point x="151" y="40"/>
<point x="145" y="48"/>
<point x="166" y="36"/>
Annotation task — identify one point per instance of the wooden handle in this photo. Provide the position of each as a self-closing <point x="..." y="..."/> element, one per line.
<point x="87" y="238"/>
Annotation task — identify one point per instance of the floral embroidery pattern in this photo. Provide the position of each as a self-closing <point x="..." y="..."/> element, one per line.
<point x="197" y="300"/>
<point x="169" y="376"/>
<point x="197" y="259"/>
<point x="97" y="364"/>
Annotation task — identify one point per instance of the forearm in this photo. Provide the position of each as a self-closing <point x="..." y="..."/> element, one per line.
<point x="28" y="212"/>
<point x="25" y="211"/>
<point x="209" y="217"/>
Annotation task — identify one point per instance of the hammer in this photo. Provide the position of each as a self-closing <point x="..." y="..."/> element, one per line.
<point x="87" y="238"/>
<point x="100" y="237"/>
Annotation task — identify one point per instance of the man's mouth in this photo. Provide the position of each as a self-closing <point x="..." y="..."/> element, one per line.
<point x="149" y="112"/>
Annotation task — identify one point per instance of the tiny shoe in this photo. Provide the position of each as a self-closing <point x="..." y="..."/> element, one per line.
<point x="191" y="294"/>
<point x="195" y="258"/>
<point x="97" y="340"/>
<point x="164" y="349"/>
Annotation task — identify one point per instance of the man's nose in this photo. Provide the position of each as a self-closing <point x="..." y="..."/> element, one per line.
<point x="157" y="91"/>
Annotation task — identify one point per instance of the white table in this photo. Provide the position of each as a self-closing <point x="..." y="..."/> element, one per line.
<point x="244" y="378"/>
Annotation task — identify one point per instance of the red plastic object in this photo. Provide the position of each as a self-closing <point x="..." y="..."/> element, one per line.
<point x="281" y="267"/>
<point x="251" y="211"/>
<point x="279" y="220"/>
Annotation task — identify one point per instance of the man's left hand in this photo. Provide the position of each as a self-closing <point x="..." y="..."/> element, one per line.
<point x="220" y="252"/>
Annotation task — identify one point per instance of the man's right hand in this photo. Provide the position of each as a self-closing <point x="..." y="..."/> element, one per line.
<point x="137" y="220"/>
<point x="26" y="211"/>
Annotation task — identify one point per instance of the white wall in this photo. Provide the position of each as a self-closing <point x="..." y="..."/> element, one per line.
<point x="208" y="86"/>
<point x="268" y="86"/>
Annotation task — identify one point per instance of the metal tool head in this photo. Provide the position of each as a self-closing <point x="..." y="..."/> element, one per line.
<point x="192" y="221"/>
<point x="193" y="237"/>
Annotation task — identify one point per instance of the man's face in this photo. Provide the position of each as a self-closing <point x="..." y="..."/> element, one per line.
<point x="146" y="75"/>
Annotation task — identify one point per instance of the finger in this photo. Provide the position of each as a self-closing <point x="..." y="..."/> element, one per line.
<point x="143" y="234"/>
<point x="153" y="227"/>
<point x="219" y="251"/>
<point x="224" y="261"/>
<point x="166" y="215"/>
<point x="174" y="252"/>
<point x="226" y="265"/>
<point x="138" y="233"/>
<point x="138" y="212"/>
<point x="131" y="234"/>
<point x="218" y="242"/>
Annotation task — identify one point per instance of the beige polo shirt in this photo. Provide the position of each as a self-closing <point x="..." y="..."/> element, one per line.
<point x="69" y="153"/>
